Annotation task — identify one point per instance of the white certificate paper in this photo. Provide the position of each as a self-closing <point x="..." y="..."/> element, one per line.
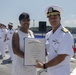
<point x="34" y="50"/>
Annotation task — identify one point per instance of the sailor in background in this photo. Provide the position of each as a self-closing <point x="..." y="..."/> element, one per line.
<point x="59" y="43"/>
<point x="5" y="41"/>
<point x="2" y="40"/>
<point x="9" y="40"/>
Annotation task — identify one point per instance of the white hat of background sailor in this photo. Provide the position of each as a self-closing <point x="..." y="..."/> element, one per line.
<point x="11" y="24"/>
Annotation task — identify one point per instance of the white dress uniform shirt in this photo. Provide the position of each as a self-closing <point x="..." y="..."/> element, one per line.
<point x="10" y="34"/>
<point x="57" y="43"/>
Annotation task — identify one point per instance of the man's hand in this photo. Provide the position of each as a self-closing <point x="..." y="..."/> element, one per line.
<point x="39" y="64"/>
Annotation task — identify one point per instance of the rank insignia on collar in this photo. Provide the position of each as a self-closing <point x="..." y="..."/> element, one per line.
<point x="64" y="30"/>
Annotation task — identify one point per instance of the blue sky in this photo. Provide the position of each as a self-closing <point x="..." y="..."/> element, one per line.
<point x="11" y="9"/>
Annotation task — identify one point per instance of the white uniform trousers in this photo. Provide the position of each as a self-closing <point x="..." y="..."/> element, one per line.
<point x="5" y="45"/>
<point x="2" y="48"/>
<point x="10" y="49"/>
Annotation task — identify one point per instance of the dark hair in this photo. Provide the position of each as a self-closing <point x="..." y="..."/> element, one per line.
<point x="24" y="16"/>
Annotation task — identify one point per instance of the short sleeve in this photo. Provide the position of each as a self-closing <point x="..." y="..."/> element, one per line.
<point x="66" y="46"/>
<point x="47" y="40"/>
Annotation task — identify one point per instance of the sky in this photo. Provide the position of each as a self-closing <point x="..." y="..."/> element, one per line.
<point x="11" y="9"/>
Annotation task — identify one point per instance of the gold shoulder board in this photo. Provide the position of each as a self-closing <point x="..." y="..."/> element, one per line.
<point x="64" y="30"/>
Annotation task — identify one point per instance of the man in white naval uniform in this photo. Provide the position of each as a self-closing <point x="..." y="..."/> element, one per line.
<point x="5" y="41"/>
<point x="2" y="40"/>
<point x="9" y="40"/>
<point x="59" y="43"/>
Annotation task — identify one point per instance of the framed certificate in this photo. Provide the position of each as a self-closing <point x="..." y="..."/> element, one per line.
<point x="34" y="50"/>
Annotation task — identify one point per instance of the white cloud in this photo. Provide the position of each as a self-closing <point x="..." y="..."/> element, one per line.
<point x="70" y="23"/>
<point x="73" y="16"/>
